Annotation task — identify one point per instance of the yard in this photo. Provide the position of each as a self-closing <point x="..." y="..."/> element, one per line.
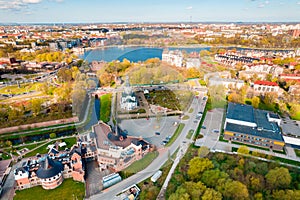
<point x="105" y="105"/>
<point x="174" y="100"/>
<point x="19" y="90"/>
<point x="69" y="189"/>
<point x="43" y="149"/>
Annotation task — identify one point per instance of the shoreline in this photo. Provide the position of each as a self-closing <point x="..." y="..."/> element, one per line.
<point x="189" y="46"/>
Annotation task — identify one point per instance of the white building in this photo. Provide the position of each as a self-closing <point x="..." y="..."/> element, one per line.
<point x="227" y="83"/>
<point x="265" y="86"/>
<point x="173" y="57"/>
<point x="128" y="98"/>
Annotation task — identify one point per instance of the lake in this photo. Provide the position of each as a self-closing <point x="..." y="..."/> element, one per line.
<point x="133" y="54"/>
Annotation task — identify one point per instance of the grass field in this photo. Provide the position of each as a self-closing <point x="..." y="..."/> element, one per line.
<point x="19" y="90"/>
<point x="43" y="149"/>
<point x="68" y="190"/>
<point x="141" y="164"/>
<point x="105" y="105"/>
<point x="176" y="134"/>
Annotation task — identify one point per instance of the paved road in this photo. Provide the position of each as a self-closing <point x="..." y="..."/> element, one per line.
<point x="111" y="192"/>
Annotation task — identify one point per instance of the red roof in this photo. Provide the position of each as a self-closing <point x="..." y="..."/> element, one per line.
<point x="290" y="75"/>
<point x="268" y="83"/>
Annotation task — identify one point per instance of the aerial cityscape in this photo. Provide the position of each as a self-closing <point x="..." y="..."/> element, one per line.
<point x="137" y="100"/>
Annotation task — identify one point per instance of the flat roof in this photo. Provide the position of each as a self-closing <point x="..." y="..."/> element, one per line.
<point x="270" y="134"/>
<point x="240" y="112"/>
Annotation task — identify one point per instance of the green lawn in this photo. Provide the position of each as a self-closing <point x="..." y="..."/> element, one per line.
<point x="141" y="164"/>
<point x="29" y="146"/>
<point x="176" y="134"/>
<point x="191" y="110"/>
<point x="105" y="105"/>
<point x="190" y="134"/>
<point x="41" y="150"/>
<point x="297" y="151"/>
<point x="69" y="189"/>
<point x="185" y="117"/>
<point x="5" y="156"/>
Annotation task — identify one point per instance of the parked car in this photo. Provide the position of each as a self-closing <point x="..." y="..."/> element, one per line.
<point x="216" y="131"/>
<point x="204" y="127"/>
<point x="157" y="133"/>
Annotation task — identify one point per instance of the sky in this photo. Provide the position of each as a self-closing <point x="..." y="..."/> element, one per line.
<point x="100" y="11"/>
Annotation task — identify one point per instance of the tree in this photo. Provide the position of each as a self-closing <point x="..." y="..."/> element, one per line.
<point x="235" y="98"/>
<point x="211" y="194"/>
<point x="203" y="151"/>
<point x="255" y="102"/>
<point x="258" y="196"/>
<point x="211" y="177"/>
<point x="193" y="73"/>
<point x="36" y="106"/>
<point x="195" y="190"/>
<point x="64" y="74"/>
<point x="180" y="194"/>
<point x="286" y="194"/>
<point x="278" y="178"/>
<point x="197" y="166"/>
<point x="233" y="190"/>
<point x="295" y="110"/>
<point x="52" y="135"/>
<point x="243" y="150"/>
<point x="8" y="143"/>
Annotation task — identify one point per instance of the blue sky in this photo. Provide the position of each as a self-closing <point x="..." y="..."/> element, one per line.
<point x="55" y="11"/>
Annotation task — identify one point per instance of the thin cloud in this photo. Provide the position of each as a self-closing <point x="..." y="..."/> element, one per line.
<point x="189" y="8"/>
<point x="261" y="5"/>
<point x="16" y="5"/>
<point x="298" y="3"/>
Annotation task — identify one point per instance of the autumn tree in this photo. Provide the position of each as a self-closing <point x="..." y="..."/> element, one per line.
<point x="197" y="166"/>
<point x="233" y="190"/>
<point x="64" y="74"/>
<point x="278" y="178"/>
<point x="211" y="194"/>
<point x="211" y="177"/>
<point x="195" y="190"/>
<point x="36" y="106"/>
<point x="255" y="102"/>
<point x="243" y="150"/>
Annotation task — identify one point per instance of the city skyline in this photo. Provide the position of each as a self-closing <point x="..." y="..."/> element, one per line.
<point x="79" y="11"/>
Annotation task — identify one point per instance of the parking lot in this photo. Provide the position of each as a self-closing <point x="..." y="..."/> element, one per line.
<point x="211" y="127"/>
<point x="147" y="128"/>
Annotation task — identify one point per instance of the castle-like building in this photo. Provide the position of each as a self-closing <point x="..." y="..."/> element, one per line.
<point x="50" y="170"/>
<point x="113" y="149"/>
